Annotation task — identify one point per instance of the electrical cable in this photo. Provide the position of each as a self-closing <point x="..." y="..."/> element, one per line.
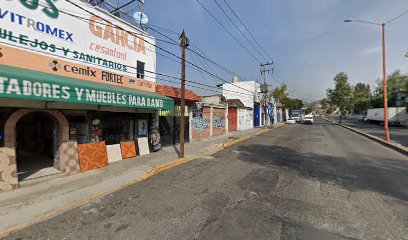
<point x="170" y="53"/>
<point x="225" y="28"/>
<point x="225" y="13"/>
<point x="156" y="78"/>
<point x="236" y="15"/>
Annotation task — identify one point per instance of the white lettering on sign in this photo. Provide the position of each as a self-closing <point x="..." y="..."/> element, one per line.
<point x="11" y="87"/>
<point x="79" y="93"/>
<point x="105" y="41"/>
<point x="2" y="79"/>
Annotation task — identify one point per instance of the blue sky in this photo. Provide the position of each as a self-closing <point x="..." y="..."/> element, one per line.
<point x="308" y="39"/>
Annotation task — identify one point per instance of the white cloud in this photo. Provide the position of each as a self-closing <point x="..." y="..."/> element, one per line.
<point x="371" y="50"/>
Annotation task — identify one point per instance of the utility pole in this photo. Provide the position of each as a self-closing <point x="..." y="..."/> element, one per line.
<point x="265" y="69"/>
<point x="184" y="44"/>
<point x="384" y="70"/>
<point x="385" y="89"/>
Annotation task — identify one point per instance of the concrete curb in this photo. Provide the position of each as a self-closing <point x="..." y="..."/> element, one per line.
<point x="148" y="174"/>
<point x="396" y="147"/>
<point x="93" y="197"/>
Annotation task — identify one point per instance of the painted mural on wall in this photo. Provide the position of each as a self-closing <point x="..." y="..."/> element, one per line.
<point x="218" y="121"/>
<point x="200" y="124"/>
<point x="198" y="110"/>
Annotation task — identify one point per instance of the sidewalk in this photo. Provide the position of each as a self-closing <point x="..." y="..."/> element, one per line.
<point x="399" y="134"/>
<point x="39" y="199"/>
<point x="362" y="131"/>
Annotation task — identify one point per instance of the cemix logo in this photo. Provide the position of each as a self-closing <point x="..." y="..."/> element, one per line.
<point x="56" y="66"/>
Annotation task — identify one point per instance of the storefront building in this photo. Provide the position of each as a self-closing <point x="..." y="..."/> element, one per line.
<point x="169" y="120"/>
<point x="210" y="118"/>
<point x="76" y="93"/>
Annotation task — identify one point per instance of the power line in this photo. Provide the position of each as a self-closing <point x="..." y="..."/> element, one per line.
<point x="225" y="28"/>
<point x="225" y="13"/>
<point x="283" y="78"/>
<point x="236" y="15"/>
<point x="395" y="18"/>
<point x="151" y="77"/>
<point x="195" y="65"/>
<point x="133" y="33"/>
<point x="168" y="52"/>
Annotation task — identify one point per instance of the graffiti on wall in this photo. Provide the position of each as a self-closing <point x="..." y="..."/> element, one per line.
<point x="200" y="124"/>
<point x="218" y="121"/>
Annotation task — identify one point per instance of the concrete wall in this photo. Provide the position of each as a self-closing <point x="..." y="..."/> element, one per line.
<point x="245" y="119"/>
<point x="244" y="91"/>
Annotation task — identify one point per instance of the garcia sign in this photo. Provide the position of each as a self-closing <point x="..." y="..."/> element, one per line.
<point x="88" y="36"/>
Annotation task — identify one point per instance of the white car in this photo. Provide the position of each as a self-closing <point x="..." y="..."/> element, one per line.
<point x="291" y="121"/>
<point x="308" y="119"/>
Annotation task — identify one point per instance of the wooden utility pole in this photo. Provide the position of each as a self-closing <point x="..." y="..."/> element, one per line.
<point x="184" y="45"/>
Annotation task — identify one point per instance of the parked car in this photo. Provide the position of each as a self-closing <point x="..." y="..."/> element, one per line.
<point x="363" y="119"/>
<point x="291" y="121"/>
<point x="308" y="119"/>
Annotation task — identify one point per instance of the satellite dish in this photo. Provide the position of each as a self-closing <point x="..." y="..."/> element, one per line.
<point x="141" y="18"/>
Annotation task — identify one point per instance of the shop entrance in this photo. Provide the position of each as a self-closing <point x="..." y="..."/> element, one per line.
<point x="36" y="145"/>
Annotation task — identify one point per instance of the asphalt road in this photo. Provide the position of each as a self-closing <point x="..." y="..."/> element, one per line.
<point x="398" y="134"/>
<point x="316" y="181"/>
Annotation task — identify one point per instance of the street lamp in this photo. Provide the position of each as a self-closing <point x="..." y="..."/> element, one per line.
<point x="385" y="90"/>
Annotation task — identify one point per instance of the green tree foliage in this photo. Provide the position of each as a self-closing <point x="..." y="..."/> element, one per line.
<point x="361" y="98"/>
<point x="342" y="94"/>
<point x="396" y="82"/>
<point x="293" y="103"/>
<point x="325" y="103"/>
<point x="280" y="93"/>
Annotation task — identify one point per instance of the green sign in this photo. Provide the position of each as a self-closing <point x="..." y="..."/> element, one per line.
<point x="50" y="10"/>
<point x="27" y="84"/>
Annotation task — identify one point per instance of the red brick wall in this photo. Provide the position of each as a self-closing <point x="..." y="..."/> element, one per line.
<point x="200" y="127"/>
<point x="219" y="121"/>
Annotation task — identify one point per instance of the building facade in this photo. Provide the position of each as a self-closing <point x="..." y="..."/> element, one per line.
<point x="72" y="88"/>
<point x="169" y="120"/>
<point x="246" y="92"/>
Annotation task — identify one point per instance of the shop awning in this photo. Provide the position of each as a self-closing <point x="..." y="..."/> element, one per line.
<point x="27" y="84"/>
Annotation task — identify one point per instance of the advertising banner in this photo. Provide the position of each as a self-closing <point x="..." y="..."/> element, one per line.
<point x="79" y="42"/>
<point x="26" y="84"/>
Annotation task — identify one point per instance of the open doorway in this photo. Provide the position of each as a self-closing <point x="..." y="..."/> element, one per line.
<point x="36" y="139"/>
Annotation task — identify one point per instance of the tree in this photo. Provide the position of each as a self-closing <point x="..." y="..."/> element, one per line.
<point x="293" y="103"/>
<point x="342" y="94"/>
<point x="396" y="83"/>
<point x="361" y="98"/>
<point x="280" y="94"/>
<point x="324" y="103"/>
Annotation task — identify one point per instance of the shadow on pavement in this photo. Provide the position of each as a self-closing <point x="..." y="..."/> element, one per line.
<point x="360" y="172"/>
